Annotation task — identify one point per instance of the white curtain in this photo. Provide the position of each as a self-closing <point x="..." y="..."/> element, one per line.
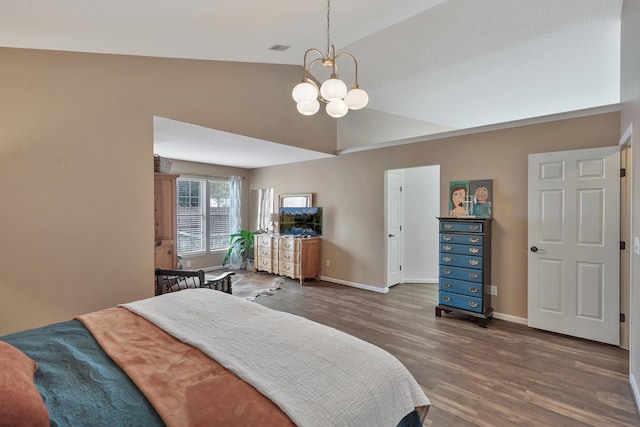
<point x="265" y="208"/>
<point x="235" y="190"/>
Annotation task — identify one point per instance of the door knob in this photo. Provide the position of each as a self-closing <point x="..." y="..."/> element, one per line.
<point x="534" y="249"/>
<point x="392" y="235"/>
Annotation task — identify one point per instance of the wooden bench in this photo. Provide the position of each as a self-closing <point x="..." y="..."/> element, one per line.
<point x="177" y="280"/>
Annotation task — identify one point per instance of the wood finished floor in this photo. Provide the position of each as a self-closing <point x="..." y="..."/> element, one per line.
<point x="504" y="375"/>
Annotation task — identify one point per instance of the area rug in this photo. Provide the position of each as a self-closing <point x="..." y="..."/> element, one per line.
<point x="249" y="285"/>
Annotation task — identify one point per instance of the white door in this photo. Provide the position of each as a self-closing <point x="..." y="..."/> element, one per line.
<point x="393" y="219"/>
<point x="573" y="232"/>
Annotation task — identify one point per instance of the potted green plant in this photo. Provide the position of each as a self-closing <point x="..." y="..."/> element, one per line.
<point x="240" y="248"/>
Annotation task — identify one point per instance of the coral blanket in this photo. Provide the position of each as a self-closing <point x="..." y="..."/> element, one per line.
<point x="317" y="375"/>
<point x="185" y="386"/>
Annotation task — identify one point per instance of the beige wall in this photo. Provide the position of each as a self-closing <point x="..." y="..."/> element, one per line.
<point x="76" y="182"/>
<point x="630" y="98"/>
<point x="350" y="187"/>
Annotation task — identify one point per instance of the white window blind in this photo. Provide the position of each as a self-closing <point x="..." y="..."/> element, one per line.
<point x="203" y="210"/>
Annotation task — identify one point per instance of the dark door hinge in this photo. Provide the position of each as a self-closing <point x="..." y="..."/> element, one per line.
<point x="400" y="268"/>
<point x="623" y="245"/>
<point x="623" y="173"/>
<point x="622" y="318"/>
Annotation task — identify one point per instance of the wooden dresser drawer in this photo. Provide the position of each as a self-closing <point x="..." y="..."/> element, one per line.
<point x="286" y="244"/>
<point x="461" y="261"/>
<point x="466" y="227"/>
<point x="460" y="301"/>
<point x="461" y="249"/>
<point x="462" y="239"/>
<point x="289" y="256"/>
<point x="263" y="252"/>
<point x="264" y="241"/>
<point x="461" y="287"/>
<point x="266" y="264"/>
<point x="461" y="273"/>
<point x="290" y="269"/>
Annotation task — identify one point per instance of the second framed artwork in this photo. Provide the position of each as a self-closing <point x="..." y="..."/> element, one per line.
<point x="471" y="198"/>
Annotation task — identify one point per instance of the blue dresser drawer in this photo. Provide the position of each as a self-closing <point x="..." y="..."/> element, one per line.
<point x="461" y="287"/>
<point x="461" y="273"/>
<point x="461" y="301"/>
<point x="467" y="227"/>
<point x="460" y="249"/>
<point x="462" y="239"/>
<point x="461" y="261"/>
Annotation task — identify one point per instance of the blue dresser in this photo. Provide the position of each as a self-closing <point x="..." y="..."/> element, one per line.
<point x="465" y="268"/>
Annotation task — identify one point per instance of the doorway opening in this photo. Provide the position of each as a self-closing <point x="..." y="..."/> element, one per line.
<point x="412" y="205"/>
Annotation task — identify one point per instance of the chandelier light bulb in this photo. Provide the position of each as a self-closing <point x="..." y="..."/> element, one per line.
<point x="333" y="89"/>
<point x="308" y="108"/>
<point x="337" y="108"/>
<point x="356" y="99"/>
<point x="304" y="92"/>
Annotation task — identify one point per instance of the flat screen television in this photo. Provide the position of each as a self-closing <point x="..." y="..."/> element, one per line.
<point x="301" y="221"/>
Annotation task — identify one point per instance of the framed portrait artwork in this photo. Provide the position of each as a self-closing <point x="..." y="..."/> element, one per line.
<point x="471" y="198"/>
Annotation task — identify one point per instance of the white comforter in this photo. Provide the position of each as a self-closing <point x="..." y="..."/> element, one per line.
<point x="317" y="375"/>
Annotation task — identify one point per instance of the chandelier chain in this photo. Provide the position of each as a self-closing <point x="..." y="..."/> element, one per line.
<point x="328" y="25"/>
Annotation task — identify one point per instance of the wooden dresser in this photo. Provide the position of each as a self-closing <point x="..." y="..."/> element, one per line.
<point x="465" y="268"/>
<point x="165" y="221"/>
<point x="298" y="258"/>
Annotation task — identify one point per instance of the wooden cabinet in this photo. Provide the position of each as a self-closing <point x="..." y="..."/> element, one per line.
<point x="298" y="258"/>
<point x="465" y="268"/>
<point x="165" y="221"/>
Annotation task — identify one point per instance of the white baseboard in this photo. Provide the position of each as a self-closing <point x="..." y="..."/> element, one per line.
<point x="634" y="390"/>
<point x="510" y="318"/>
<point x="356" y="285"/>
<point x="430" y="281"/>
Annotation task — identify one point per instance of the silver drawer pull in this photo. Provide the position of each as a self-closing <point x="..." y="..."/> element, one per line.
<point x="447" y="299"/>
<point x="446" y="285"/>
<point x="474" y="250"/>
<point x="473" y="276"/>
<point x="473" y="227"/>
<point x="476" y="240"/>
<point x="446" y="248"/>
<point x="448" y="226"/>
<point x="474" y="262"/>
<point x="473" y="304"/>
<point x="446" y="271"/>
<point x="446" y="238"/>
<point x="446" y="259"/>
<point x="474" y="290"/>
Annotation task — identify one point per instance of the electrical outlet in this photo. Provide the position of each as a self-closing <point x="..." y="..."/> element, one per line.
<point x="328" y="263"/>
<point x="188" y="263"/>
<point x="493" y="290"/>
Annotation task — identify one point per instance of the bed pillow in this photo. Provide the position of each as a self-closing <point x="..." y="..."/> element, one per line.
<point x="20" y="401"/>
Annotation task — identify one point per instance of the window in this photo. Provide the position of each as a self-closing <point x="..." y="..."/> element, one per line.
<point x="203" y="215"/>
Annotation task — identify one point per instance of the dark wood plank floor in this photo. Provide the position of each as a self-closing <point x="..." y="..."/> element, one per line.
<point x="504" y="375"/>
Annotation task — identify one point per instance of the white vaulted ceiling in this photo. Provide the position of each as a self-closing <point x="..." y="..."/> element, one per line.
<point x="434" y="65"/>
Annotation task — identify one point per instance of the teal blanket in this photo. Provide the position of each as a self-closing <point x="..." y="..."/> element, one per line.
<point x="78" y="381"/>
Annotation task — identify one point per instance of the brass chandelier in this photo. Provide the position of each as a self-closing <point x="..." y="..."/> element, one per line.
<point x="339" y="97"/>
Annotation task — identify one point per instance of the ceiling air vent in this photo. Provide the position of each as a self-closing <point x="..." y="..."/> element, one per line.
<point x="279" y="47"/>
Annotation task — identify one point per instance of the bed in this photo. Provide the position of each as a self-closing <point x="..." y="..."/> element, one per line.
<point x="200" y="357"/>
